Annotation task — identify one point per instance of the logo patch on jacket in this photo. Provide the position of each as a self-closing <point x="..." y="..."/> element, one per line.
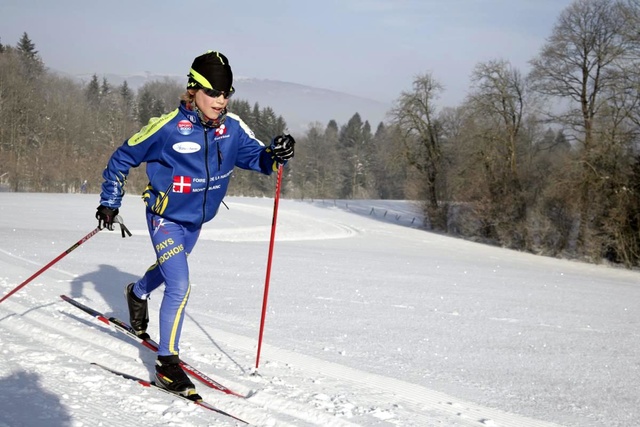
<point x="221" y="130"/>
<point x="181" y="184"/>
<point x="185" y="127"/>
<point x="186" y="147"/>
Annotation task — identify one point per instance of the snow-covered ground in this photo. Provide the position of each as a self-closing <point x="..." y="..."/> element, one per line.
<point x="370" y="323"/>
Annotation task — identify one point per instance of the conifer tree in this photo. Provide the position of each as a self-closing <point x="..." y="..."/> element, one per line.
<point x="105" y="89"/>
<point x="126" y="97"/>
<point x="93" y="91"/>
<point x="32" y="62"/>
<point x="26" y="47"/>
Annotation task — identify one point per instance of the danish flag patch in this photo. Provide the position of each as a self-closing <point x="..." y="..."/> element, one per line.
<point x="181" y="184"/>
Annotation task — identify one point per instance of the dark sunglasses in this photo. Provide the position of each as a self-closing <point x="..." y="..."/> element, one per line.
<point x="214" y="93"/>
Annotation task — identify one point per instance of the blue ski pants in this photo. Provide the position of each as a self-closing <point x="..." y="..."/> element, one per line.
<point x="172" y="243"/>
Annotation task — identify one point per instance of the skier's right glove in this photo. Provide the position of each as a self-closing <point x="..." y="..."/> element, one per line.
<point x="106" y="216"/>
<point x="282" y="148"/>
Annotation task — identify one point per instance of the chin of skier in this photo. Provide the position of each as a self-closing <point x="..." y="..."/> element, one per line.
<point x="190" y="154"/>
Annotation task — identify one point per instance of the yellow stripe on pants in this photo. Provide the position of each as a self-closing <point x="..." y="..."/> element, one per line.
<point x="176" y="322"/>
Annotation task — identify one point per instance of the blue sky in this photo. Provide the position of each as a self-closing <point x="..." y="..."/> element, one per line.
<point x="371" y="48"/>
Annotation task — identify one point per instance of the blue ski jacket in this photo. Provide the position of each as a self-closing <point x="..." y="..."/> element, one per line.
<point x="188" y="165"/>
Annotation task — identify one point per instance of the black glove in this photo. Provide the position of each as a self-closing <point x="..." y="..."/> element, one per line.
<point x="106" y="217"/>
<point x="282" y="148"/>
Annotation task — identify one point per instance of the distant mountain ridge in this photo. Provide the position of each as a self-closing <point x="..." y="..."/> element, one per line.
<point x="300" y="105"/>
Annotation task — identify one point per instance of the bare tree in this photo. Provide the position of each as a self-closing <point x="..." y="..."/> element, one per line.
<point x="488" y="145"/>
<point x="12" y="151"/>
<point x="580" y="64"/>
<point x="415" y="116"/>
<point x="499" y="96"/>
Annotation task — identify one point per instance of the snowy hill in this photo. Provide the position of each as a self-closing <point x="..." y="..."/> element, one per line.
<point x="369" y="324"/>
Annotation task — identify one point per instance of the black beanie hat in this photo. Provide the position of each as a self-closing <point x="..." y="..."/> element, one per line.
<point x="211" y="70"/>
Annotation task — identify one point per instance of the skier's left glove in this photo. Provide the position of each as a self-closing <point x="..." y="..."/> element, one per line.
<point x="106" y="217"/>
<point x="282" y="148"/>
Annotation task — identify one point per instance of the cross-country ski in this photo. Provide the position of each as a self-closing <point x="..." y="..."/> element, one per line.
<point x="126" y="330"/>
<point x="195" y="398"/>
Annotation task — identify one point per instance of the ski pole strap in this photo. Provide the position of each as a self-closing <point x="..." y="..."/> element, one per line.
<point x="123" y="228"/>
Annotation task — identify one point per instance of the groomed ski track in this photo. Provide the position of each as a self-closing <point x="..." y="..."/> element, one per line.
<point x="369" y="324"/>
<point x="63" y="333"/>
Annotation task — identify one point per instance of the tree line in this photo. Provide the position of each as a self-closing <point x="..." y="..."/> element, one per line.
<point x="56" y="132"/>
<point x="545" y="162"/>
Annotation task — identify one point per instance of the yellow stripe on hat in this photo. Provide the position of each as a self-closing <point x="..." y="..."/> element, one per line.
<point x="200" y="79"/>
<point x="218" y="55"/>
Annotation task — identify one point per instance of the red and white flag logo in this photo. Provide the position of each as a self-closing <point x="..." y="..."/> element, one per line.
<point x="221" y="130"/>
<point x="181" y="184"/>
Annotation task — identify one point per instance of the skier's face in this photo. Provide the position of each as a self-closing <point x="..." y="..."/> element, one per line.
<point x="210" y="106"/>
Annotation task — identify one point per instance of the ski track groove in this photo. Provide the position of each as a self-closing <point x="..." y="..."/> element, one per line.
<point x="35" y="325"/>
<point x="294" y="413"/>
<point x="425" y="404"/>
<point x="28" y="328"/>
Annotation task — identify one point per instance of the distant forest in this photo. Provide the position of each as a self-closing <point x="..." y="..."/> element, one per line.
<point x="546" y="162"/>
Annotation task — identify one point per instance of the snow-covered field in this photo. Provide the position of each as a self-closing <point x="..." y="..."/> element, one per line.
<point x="370" y="323"/>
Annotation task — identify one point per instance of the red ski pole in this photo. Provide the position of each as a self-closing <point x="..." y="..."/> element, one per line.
<point x="58" y="258"/>
<point x="117" y="219"/>
<point x="268" y="276"/>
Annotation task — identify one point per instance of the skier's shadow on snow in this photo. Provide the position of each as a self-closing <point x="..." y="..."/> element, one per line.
<point x="26" y="403"/>
<point x="110" y="283"/>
